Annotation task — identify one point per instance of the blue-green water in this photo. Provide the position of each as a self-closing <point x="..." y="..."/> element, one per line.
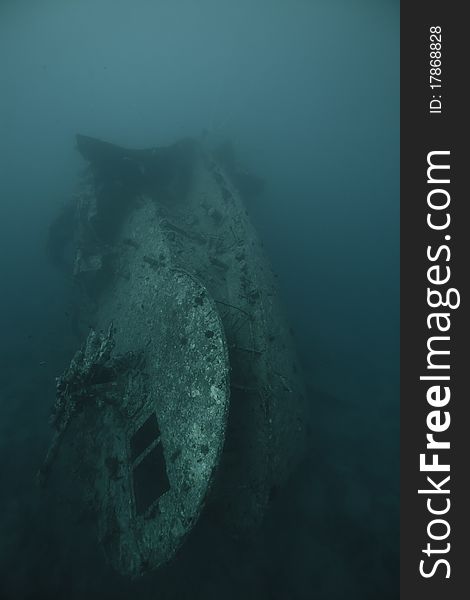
<point x="309" y="93"/>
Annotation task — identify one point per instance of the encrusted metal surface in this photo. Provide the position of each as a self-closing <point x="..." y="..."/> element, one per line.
<point x="154" y="442"/>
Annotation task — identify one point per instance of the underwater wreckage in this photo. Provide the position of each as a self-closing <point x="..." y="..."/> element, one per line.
<point x="186" y="393"/>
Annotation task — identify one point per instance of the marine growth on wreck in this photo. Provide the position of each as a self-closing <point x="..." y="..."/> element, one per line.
<point x="185" y="393"/>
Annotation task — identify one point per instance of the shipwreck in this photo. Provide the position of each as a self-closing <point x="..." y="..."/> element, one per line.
<point x="185" y="392"/>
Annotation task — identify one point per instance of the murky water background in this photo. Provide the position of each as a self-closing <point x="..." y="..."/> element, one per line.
<point x="309" y="94"/>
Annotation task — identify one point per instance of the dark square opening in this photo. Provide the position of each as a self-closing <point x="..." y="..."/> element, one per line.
<point x="150" y="479"/>
<point x="144" y="436"/>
